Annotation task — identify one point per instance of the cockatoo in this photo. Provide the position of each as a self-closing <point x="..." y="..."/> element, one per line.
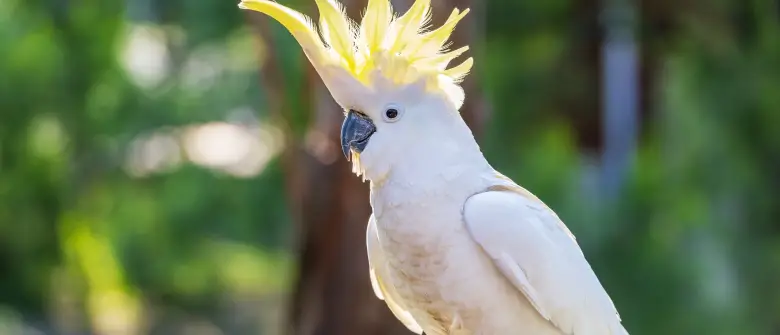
<point x="454" y="247"/>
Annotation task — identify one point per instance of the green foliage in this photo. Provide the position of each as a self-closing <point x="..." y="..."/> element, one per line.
<point x="691" y="245"/>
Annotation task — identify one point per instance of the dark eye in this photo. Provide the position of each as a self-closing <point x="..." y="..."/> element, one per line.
<point x="393" y="113"/>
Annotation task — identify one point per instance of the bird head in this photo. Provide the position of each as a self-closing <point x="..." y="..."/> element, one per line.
<point x="391" y="75"/>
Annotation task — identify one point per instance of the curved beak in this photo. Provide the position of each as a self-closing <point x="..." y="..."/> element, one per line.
<point x="355" y="132"/>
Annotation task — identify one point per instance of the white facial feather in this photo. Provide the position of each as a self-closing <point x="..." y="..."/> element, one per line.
<point x="429" y="135"/>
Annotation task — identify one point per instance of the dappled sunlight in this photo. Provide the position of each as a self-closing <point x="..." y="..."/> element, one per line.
<point x="248" y="271"/>
<point x="155" y="152"/>
<point x="322" y="147"/>
<point x="171" y="168"/>
<point x="145" y="55"/>
<point x="239" y="150"/>
<point x="203" y="67"/>
<point x="47" y="139"/>
<point x="113" y="309"/>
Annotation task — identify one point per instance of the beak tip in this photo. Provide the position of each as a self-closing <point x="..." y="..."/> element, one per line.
<point x="346" y="153"/>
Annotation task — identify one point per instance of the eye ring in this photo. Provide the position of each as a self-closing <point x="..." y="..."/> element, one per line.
<point x="392" y="113"/>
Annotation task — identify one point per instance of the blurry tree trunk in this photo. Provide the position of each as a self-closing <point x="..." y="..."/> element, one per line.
<point x="582" y="107"/>
<point x="619" y="92"/>
<point x="333" y="293"/>
<point x="660" y="21"/>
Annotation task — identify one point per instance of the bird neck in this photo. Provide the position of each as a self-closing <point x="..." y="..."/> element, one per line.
<point x="452" y="164"/>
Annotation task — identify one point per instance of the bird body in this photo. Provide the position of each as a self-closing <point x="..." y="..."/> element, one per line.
<point x="421" y="248"/>
<point x="429" y="244"/>
<point x="454" y="247"/>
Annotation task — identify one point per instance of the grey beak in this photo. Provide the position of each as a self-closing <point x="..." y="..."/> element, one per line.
<point x="355" y="132"/>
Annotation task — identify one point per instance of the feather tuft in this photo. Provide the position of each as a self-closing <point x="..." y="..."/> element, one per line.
<point x="337" y="29"/>
<point x="376" y="21"/>
<point x="402" y="49"/>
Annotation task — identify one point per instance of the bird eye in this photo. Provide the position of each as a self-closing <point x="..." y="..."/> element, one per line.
<point x="392" y="113"/>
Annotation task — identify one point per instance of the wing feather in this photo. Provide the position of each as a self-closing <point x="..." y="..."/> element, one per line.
<point x="533" y="249"/>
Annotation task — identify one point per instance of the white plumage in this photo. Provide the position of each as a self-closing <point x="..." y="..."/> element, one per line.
<point x="454" y="247"/>
<point x="495" y="261"/>
<point x="534" y="250"/>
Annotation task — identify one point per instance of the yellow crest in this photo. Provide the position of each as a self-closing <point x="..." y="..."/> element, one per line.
<point x="403" y="50"/>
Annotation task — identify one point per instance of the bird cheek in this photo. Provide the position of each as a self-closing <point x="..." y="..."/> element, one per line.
<point x="375" y="158"/>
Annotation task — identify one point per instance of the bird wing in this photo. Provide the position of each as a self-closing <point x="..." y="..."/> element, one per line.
<point x="384" y="290"/>
<point x="535" y="251"/>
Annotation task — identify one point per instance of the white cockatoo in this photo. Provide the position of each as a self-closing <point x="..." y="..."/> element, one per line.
<point x="454" y="247"/>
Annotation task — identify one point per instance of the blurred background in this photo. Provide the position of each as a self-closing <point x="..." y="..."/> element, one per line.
<point x="172" y="167"/>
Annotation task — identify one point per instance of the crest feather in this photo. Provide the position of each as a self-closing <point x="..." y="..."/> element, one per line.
<point x="376" y="21"/>
<point x="459" y="72"/>
<point x="431" y="43"/>
<point x="399" y="49"/>
<point x="337" y="29"/>
<point x="296" y="23"/>
<point x="440" y="61"/>
<point x="406" y="29"/>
